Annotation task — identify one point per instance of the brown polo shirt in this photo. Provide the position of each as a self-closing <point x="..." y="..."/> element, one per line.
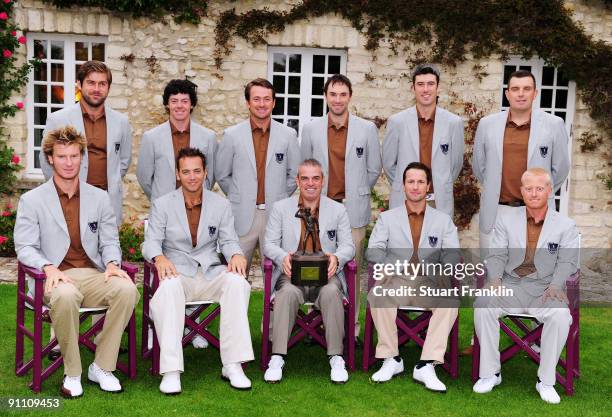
<point x="514" y="163"/>
<point x="193" y="218"/>
<point x="180" y="140"/>
<point x="76" y="256"/>
<point x="426" y="129"/>
<point x="533" y="234"/>
<point x="415" y="221"/>
<point x="261" y="137"/>
<point x="336" y="153"/>
<point x="309" y="245"/>
<point x="95" y="132"/>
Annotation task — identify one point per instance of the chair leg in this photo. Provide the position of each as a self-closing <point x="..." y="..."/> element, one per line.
<point x="368" y="340"/>
<point x="37" y="353"/>
<point x="19" y="336"/>
<point x="350" y="335"/>
<point x="454" y="350"/>
<point x="132" y="347"/>
<point x="265" y="337"/>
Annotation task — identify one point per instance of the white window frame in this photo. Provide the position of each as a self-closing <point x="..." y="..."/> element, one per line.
<point x="537" y="66"/>
<point x="306" y="75"/>
<point x="69" y="63"/>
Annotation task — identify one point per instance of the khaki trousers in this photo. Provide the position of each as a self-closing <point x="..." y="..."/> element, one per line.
<point x="255" y="235"/>
<point x="230" y="290"/>
<point x="358" y="234"/>
<point x="88" y="289"/>
<point x="440" y="322"/>
<point x="287" y="301"/>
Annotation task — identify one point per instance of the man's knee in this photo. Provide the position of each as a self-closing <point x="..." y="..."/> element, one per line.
<point x="558" y="316"/>
<point x="169" y="287"/>
<point x="65" y="295"/>
<point x="330" y="293"/>
<point x="288" y="293"/>
<point x="233" y="280"/>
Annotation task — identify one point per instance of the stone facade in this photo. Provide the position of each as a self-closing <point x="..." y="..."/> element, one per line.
<point x="381" y="85"/>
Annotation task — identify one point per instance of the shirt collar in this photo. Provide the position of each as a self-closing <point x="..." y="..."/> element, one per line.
<point x="511" y="123"/>
<point x="254" y="127"/>
<point x="89" y="116"/>
<point x="62" y="193"/>
<point x="174" y="130"/>
<point x="344" y="124"/>
<point x="414" y="213"/>
<point x="422" y="118"/>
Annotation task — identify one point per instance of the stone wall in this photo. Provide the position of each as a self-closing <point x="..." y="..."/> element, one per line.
<point x="381" y="85"/>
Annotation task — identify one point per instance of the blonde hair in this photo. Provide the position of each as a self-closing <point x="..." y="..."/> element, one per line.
<point x="538" y="172"/>
<point x="66" y="135"/>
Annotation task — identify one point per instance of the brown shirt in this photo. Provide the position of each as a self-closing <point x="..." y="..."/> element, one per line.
<point x="415" y="221"/>
<point x="193" y="218"/>
<point x="426" y="129"/>
<point x="76" y="256"/>
<point x="95" y="132"/>
<point x="317" y="241"/>
<point x="180" y="140"/>
<point x="260" y="145"/>
<point x="516" y="140"/>
<point x="336" y="152"/>
<point x="533" y="234"/>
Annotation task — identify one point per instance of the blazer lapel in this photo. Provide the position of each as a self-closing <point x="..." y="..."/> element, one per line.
<point x="499" y="128"/>
<point x="547" y="227"/>
<point x="271" y="143"/>
<point x="53" y="205"/>
<point x="181" y="213"/>
<point x="439" y="122"/>
<point x="110" y="137"/>
<point x="522" y="232"/>
<point x="413" y="129"/>
<point x="324" y="212"/>
<point x="294" y="225"/>
<point x="85" y="205"/>
<point x="246" y="137"/>
<point x="166" y="143"/>
<point x="427" y="220"/>
<point x="404" y="225"/>
<point x="203" y="222"/>
<point x="76" y="119"/>
<point x="534" y="134"/>
<point x="321" y="132"/>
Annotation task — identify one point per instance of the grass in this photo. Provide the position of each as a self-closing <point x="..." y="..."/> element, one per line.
<point x="306" y="390"/>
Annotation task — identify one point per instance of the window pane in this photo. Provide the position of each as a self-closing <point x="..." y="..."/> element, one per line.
<point x="279" y="106"/>
<point x="40" y="49"/>
<point x="525" y="67"/>
<point x="316" y="109"/>
<point x="334" y="65"/>
<point x="57" y="72"/>
<point x="57" y="94"/>
<point x="317" y="86"/>
<point x="279" y="63"/>
<point x="295" y="63"/>
<point x="546" y="98"/>
<point x="508" y="69"/>
<point x="57" y="50"/>
<point x="318" y="64"/>
<point x="294" y="85"/>
<point x="40" y="94"/>
<point x="278" y="81"/>
<point x="80" y="51"/>
<point x="504" y="99"/>
<point x="40" y="116"/>
<point x="294" y="123"/>
<point x="293" y="106"/>
<point x="40" y="72"/>
<point x="278" y="120"/>
<point x="548" y="76"/>
<point x="561" y="114"/>
<point x="561" y="99"/>
<point x="561" y="79"/>
<point x="38" y="136"/>
<point x="97" y="51"/>
<point x="36" y="161"/>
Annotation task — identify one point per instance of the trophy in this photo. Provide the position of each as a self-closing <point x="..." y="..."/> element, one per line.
<point x="308" y="268"/>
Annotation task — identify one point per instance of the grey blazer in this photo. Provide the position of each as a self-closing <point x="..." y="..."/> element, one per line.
<point x="156" y="170"/>
<point x="401" y="147"/>
<point x="548" y="149"/>
<point x="168" y="233"/>
<point x="556" y="256"/>
<point x="391" y="238"/>
<point x="236" y="171"/>
<point x="118" y="145"/>
<point x="361" y="167"/>
<point x="41" y="234"/>
<point x="283" y="234"/>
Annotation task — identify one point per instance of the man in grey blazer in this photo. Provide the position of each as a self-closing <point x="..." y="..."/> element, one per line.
<point x="67" y="228"/>
<point x="348" y="149"/>
<point x="256" y="164"/>
<point x="108" y="132"/>
<point x="508" y="143"/>
<point x="417" y="235"/>
<point x="428" y="134"/>
<point x="160" y="146"/>
<point x="185" y="228"/>
<point x="284" y="235"/>
<point x="534" y="251"/>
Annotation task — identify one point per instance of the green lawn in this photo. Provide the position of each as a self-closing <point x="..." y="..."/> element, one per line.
<point x="306" y="390"/>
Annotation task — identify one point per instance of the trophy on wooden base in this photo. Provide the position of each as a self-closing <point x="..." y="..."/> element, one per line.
<point x="309" y="267"/>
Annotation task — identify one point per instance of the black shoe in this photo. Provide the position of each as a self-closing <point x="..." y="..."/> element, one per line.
<point x="53" y="355"/>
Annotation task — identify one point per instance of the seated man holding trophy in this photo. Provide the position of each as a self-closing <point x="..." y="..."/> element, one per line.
<point x="308" y="237"/>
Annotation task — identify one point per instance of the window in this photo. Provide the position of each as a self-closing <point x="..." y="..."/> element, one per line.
<point x="53" y="84"/>
<point x="298" y="76"/>
<point x="556" y="95"/>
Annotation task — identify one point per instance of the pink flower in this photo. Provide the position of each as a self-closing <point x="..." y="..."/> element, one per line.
<point x="15" y="159"/>
<point x="7" y="1"/>
<point x="9" y="206"/>
<point x="21" y="40"/>
<point x="19" y="105"/>
<point x="6" y="213"/>
<point x="132" y="251"/>
<point x="7" y="54"/>
<point x="14" y="33"/>
<point x="3" y="240"/>
<point x="3" y="15"/>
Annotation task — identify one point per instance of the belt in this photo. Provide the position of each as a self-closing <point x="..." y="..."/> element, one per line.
<point x="513" y="204"/>
<point x="260" y="206"/>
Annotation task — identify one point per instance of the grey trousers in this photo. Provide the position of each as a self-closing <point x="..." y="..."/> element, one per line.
<point x="287" y="301"/>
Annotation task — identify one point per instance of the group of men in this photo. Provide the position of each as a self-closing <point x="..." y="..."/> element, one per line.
<point x="520" y="158"/>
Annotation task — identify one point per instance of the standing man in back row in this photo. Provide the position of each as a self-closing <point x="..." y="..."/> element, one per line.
<point x="348" y="149"/>
<point x="428" y="134"/>
<point x="256" y="165"/>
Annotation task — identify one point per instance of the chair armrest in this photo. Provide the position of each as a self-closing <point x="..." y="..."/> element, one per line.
<point x="32" y="272"/>
<point x="131" y="270"/>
